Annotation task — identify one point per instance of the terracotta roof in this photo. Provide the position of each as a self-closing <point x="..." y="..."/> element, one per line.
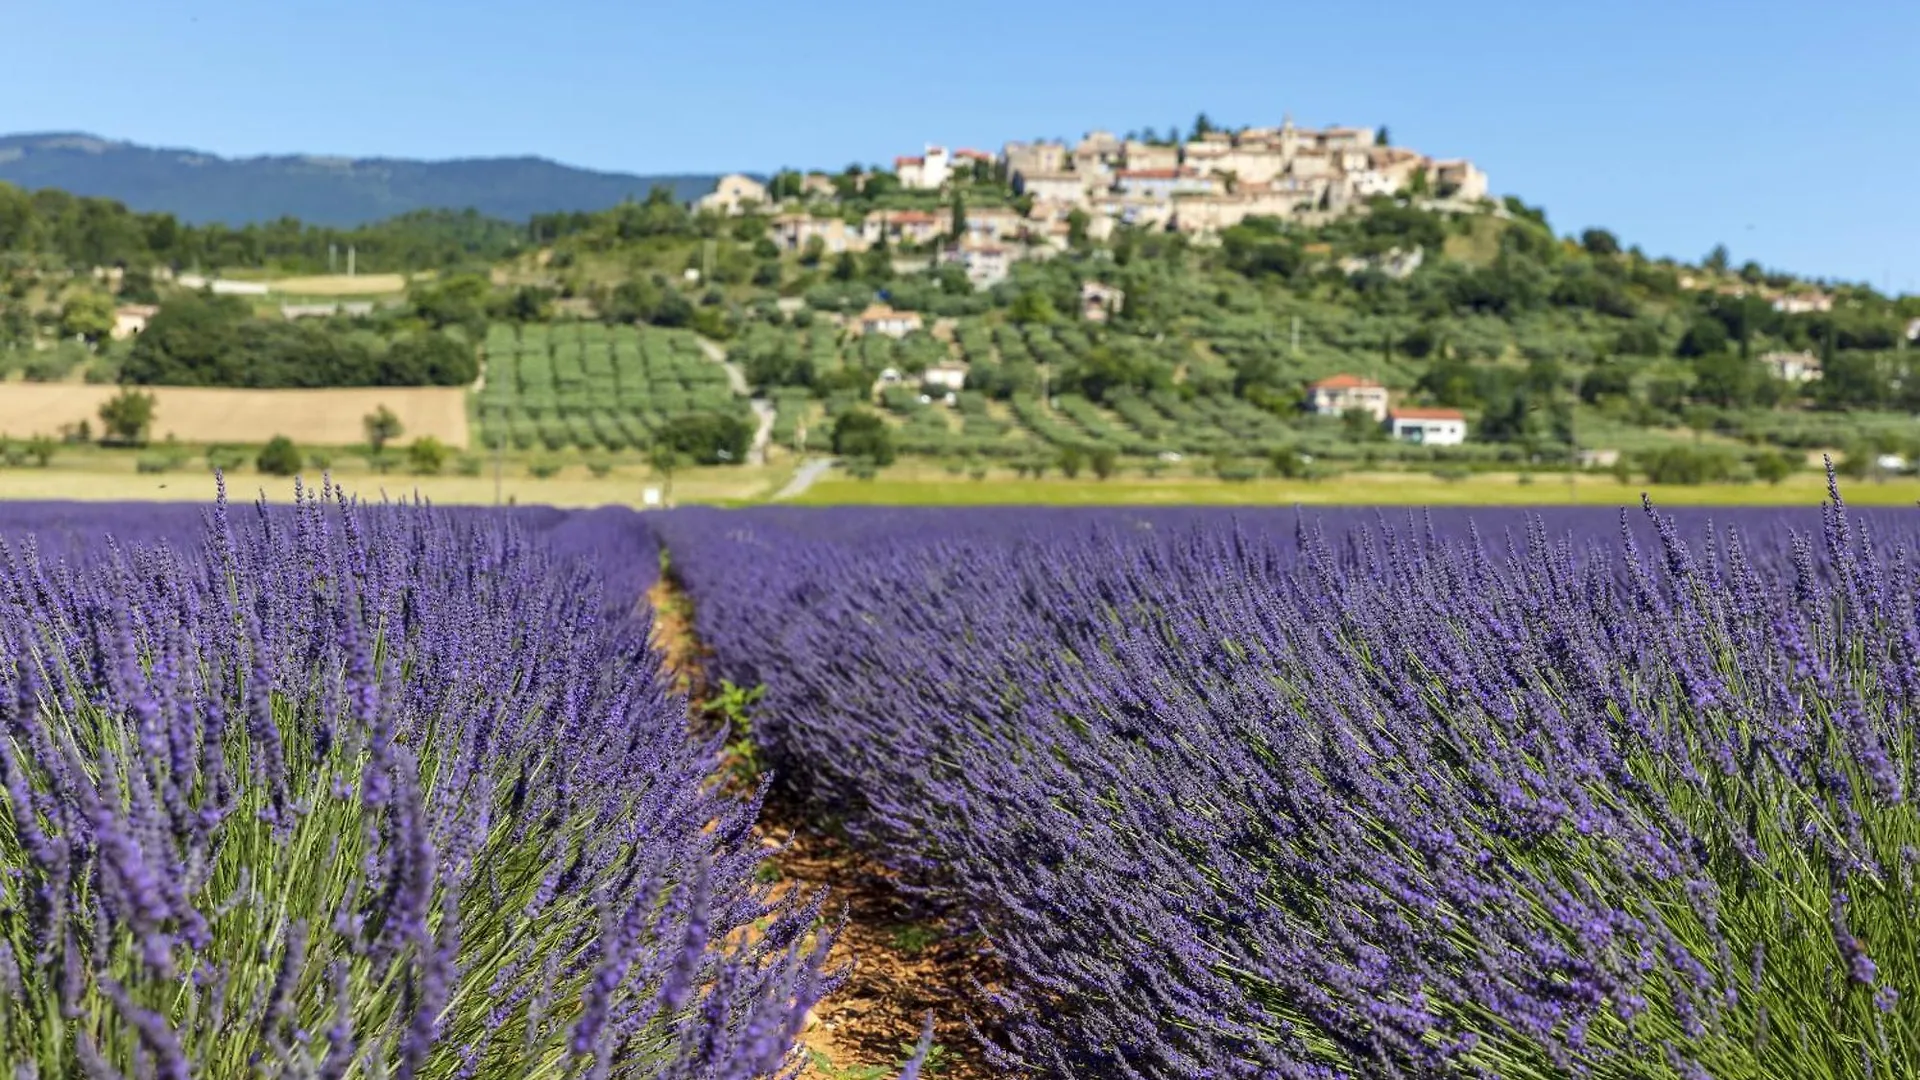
<point x="1344" y="382"/>
<point x="877" y="312"/>
<point x="981" y="155"/>
<point x="909" y="161"/>
<point x="906" y="217"/>
<point x="1404" y="413"/>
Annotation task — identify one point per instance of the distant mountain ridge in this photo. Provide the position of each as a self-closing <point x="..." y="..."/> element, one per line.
<point x="204" y="188"/>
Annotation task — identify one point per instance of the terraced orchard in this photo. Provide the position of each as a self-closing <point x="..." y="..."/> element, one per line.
<point x="585" y="386"/>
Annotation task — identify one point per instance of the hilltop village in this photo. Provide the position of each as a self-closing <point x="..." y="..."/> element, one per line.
<point x="1199" y="186"/>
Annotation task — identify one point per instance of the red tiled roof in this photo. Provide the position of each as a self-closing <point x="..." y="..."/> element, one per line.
<point x="911" y="217"/>
<point x="899" y="161"/>
<point x="1428" y="414"/>
<point x="981" y="155"/>
<point x="1344" y="382"/>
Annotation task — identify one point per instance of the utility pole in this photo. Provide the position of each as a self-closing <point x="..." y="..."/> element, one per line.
<point x="350" y="260"/>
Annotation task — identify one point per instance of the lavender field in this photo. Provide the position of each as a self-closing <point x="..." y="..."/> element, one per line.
<point x="336" y="791"/>
<point x="341" y="791"/>
<point x="1357" y="794"/>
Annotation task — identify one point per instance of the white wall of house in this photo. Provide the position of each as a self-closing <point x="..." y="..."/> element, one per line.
<point x="1430" y="432"/>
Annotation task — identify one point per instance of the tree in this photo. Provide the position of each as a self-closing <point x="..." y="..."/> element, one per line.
<point x="708" y="438"/>
<point x="1600" y="242"/>
<point x="460" y="300"/>
<point x="428" y="359"/>
<point x="957" y="230"/>
<point x="664" y="459"/>
<point x="1032" y="306"/>
<point x="127" y="416"/>
<point x="1286" y="463"/>
<point x="279" y="457"/>
<point x="87" y="315"/>
<point x="1717" y="260"/>
<point x="382" y="427"/>
<point x="427" y="455"/>
<point x="1704" y="337"/>
<point x="1202" y="126"/>
<point x="41" y="448"/>
<point x="1103" y="461"/>
<point x="1773" y="466"/>
<point x="1077" y="223"/>
<point x="1604" y="381"/>
<point x="1383" y="137"/>
<point x="1071" y="458"/>
<point x="858" y="433"/>
<point x="1726" y="379"/>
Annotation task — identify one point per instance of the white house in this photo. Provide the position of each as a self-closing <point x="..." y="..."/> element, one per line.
<point x="986" y="265"/>
<point x="1060" y="187"/>
<point x="734" y="193"/>
<point x="1803" y="303"/>
<point x="882" y="319"/>
<point x="358" y="309"/>
<point x="224" y="286"/>
<point x="1793" y="367"/>
<point x="1099" y="301"/>
<point x="1342" y="394"/>
<point x="792" y="232"/>
<point x="948" y="373"/>
<point x="1163" y="183"/>
<point x="924" y="173"/>
<point x="131" y="319"/>
<point x="1431" y="427"/>
<point x="900" y="226"/>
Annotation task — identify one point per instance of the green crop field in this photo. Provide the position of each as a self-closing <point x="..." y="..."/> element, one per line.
<point x="585" y="386"/>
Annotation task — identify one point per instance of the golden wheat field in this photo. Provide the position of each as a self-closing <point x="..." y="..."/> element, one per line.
<point x="197" y="415"/>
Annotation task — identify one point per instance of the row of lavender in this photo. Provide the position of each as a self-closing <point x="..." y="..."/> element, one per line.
<point x="332" y="791"/>
<point x="1351" y="795"/>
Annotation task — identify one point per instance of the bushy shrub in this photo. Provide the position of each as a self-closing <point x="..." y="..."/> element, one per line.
<point x="279" y="457"/>
<point x="426" y="455"/>
<point x="225" y="458"/>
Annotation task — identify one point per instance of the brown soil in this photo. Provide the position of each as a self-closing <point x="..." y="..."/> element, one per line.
<point x="900" y="966"/>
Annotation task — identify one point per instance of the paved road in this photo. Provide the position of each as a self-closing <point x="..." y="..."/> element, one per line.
<point x="803" y="478"/>
<point x="762" y="408"/>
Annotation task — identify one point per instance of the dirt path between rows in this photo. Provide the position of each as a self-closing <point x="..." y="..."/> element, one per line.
<point x="902" y="967"/>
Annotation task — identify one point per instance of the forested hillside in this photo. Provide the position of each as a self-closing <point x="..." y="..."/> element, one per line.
<point x="332" y="191"/>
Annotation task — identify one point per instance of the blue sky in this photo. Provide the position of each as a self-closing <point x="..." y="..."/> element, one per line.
<point x="1790" y="132"/>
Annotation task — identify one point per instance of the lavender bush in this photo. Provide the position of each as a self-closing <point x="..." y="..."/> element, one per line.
<point x="1270" y="796"/>
<point x="345" y="791"/>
